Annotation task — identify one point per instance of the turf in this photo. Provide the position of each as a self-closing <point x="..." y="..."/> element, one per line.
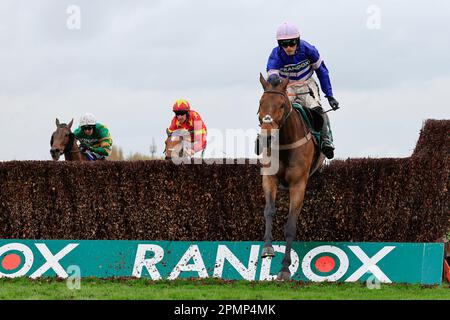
<point x="142" y="289"/>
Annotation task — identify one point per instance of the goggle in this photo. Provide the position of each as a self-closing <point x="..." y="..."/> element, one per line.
<point x="85" y="128"/>
<point x="288" y="43"/>
<point x="180" y="113"/>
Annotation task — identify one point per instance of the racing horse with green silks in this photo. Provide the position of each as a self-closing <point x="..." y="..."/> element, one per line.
<point x="290" y="146"/>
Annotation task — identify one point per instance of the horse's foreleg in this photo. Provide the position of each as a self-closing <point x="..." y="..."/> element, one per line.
<point x="297" y="194"/>
<point x="270" y="192"/>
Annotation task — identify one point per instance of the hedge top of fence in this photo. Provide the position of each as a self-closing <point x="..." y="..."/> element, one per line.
<point x="387" y="199"/>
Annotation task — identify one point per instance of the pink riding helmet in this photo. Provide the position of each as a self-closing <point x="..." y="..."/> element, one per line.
<point x="287" y="31"/>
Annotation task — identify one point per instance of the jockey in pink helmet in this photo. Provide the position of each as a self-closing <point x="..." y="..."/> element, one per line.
<point x="297" y="60"/>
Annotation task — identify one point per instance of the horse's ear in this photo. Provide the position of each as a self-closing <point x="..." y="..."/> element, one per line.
<point x="57" y="122"/>
<point x="70" y="124"/>
<point x="283" y="85"/>
<point x="263" y="81"/>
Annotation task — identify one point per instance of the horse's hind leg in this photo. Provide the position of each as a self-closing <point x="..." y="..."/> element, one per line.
<point x="270" y="192"/>
<point x="297" y="194"/>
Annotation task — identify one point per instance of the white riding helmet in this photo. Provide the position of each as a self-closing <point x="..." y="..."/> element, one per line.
<point x="87" y="119"/>
<point x="287" y="31"/>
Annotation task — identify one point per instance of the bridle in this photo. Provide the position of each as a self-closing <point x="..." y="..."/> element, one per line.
<point x="69" y="145"/>
<point x="268" y="118"/>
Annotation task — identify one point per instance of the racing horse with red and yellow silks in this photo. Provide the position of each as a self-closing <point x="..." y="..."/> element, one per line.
<point x="292" y="152"/>
<point x="63" y="142"/>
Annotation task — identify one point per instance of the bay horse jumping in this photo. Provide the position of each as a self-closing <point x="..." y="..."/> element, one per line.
<point x="178" y="144"/>
<point x="63" y="142"/>
<point x="297" y="160"/>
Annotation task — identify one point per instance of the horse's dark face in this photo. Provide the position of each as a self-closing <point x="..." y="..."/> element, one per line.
<point x="272" y="106"/>
<point x="60" y="139"/>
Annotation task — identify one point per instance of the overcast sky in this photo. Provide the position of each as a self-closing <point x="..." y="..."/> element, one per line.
<point x="130" y="60"/>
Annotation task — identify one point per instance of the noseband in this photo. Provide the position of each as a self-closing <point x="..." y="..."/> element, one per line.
<point x="268" y="118"/>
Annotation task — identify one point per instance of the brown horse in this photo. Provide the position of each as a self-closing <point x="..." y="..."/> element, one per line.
<point x="178" y="145"/>
<point x="63" y="142"/>
<point x="296" y="160"/>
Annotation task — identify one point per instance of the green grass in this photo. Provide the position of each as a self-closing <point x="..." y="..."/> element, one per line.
<point x="139" y="289"/>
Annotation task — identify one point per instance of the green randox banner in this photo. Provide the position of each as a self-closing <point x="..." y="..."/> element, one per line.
<point x="311" y="261"/>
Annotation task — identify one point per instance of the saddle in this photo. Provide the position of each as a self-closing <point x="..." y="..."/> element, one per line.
<point x="313" y="119"/>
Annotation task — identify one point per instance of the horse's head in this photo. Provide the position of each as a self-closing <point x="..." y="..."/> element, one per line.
<point x="178" y="144"/>
<point x="274" y="105"/>
<point x="61" y="140"/>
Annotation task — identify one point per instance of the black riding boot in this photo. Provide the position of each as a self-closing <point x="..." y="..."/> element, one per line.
<point x="327" y="137"/>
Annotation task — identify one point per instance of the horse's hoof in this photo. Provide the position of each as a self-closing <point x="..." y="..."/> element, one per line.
<point x="283" y="275"/>
<point x="267" y="252"/>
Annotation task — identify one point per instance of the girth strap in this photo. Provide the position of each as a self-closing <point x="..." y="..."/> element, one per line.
<point x="295" y="144"/>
